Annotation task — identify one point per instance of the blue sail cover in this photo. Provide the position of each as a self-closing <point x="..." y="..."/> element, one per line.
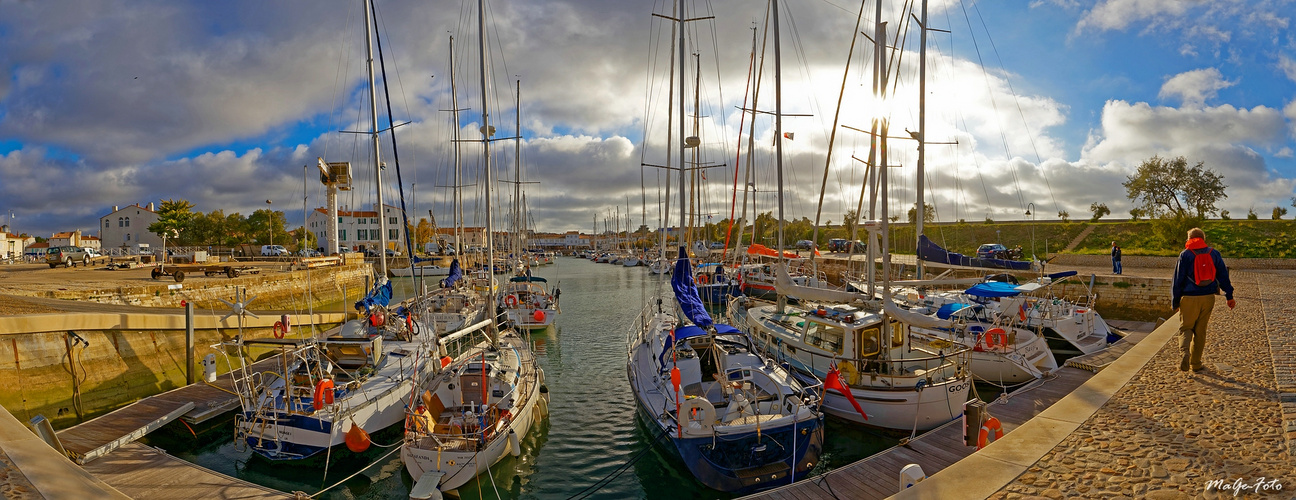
<point x="686" y="332"/>
<point x="993" y="289"/>
<point x="686" y="293"/>
<point x="379" y="296"/>
<point x="456" y="273"/>
<point x="948" y="310"/>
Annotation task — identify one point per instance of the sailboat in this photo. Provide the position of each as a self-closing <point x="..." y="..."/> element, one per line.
<point x="489" y="389"/>
<point x="341" y="385"/>
<point x="895" y="376"/>
<point x="739" y="421"/>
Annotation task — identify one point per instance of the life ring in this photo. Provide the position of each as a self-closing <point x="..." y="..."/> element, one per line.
<point x="511" y="300"/>
<point x="702" y="279"/>
<point x="704" y="416"/>
<point x="278" y="330"/>
<point x="991" y="425"/>
<point x="323" y="394"/>
<point x="995" y="337"/>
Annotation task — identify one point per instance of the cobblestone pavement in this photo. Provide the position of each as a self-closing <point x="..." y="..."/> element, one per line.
<point x="1167" y="435"/>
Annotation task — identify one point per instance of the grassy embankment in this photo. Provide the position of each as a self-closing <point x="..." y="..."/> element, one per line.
<point x="1254" y="239"/>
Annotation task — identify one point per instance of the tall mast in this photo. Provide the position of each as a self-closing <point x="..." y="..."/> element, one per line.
<point x="778" y="125"/>
<point x="373" y="116"/>
<point x="457" y="203"/>
<point x="920" y="209"/>
<point x="486" y="138"/>
<point x="695" y="194"/>
<point x="683" y="180"/>
<point x="517" y="175"/>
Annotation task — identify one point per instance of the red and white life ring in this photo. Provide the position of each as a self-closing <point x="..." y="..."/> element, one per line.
<point x="511" y="301"/>
<point x="323" y="393"/>
<point x="995" y="337"/>
<point x="991" y="426"/>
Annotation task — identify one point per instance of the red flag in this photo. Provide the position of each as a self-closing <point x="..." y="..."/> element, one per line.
<point x="1021" y="311"/>
<point x="833" y="381"/>
<point x="788" y="135"/>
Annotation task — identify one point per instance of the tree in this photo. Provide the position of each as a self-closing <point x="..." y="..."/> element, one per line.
<point x="1098" y="210"/>
<point x="1065" y="216"/>
<point x="296" y="235"/>
<point x="929" y="213"/>
<point x="1136" y="213"/>
<point x="423" y="234"/>
<point x="764" y="223"/>
<point x="1224" y="214"/>
<point x="174" y="217"/>
<point x="1251" y="215"/>
<point x="1171" y="189"/>
<point x="1279" y="212"/>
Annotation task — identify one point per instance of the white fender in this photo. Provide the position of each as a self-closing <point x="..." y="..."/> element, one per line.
<point x="515" y="447"/>
<point x="706" y="413"/>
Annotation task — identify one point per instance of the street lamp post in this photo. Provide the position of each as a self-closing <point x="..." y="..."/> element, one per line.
<point x="1030" y="210"/>
<point x="270" y="223"/>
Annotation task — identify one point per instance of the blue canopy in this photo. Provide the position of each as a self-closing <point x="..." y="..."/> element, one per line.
<point x="379" y="296"/>
<point x="948" y="310"/>
<point x="686" y="293"/>
<point x="521" y="279"/>
<point x="993" y="289"/>
<point x="687" y="332"/>
<point x="1063" y="274"/>
<point x="456" y="273"/>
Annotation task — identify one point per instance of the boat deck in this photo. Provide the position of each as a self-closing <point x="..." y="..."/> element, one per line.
<point x="145" y="473"/>
<point x="196" y="403"/>
<point x="878" y="476"/>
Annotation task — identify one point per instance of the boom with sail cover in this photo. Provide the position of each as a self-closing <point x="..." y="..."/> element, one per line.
<point x="686" y="293"/>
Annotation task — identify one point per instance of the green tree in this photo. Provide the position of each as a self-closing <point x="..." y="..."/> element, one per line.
<point x="929" y="213"/>
<point x="296" y="235"/>
<point x="1098" y="210"/>
<point x="1170" y="188"/>
<point x="1136" y="213"/>
<point x="174" y="217"/>
<point x="1279" y="212"/>
<point x="1224" y="214"/>
<point x="764" y="224"/>
<point x="1251" y="215"/>
<point x="1065" y="216"/>
<point x="852" y="219"/>
<point x="262" y="223"/>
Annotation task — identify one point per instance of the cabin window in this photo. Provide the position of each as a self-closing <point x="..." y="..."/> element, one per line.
<point x="897" y="334"/>
<point x="823" y="336"/>
<point x="868" y="342"/>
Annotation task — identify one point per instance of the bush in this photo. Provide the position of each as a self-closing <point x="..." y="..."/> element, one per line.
<point x="1173" y="230"/>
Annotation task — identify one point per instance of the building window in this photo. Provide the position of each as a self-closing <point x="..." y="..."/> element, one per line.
<point x="127" y="236"/>
<point x="342" y="234"/>
<point x="362" y="234"/>
<point x="120" y="222"/>
<point x="391" y="234"/>
<point x="128" y="222"/>
<point x="107" y="224"/>
<point x="391" y="220"/>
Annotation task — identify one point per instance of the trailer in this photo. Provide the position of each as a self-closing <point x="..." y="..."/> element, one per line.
<point x="178" y="271"/>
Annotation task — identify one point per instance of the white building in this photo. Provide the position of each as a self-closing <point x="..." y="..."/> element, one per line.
<point x="125" y="227"/>
<point x="569" y="240"/>
<point x="68" y="239"/>
<point x="358" y="229"/>
<point x="12" y="245"/>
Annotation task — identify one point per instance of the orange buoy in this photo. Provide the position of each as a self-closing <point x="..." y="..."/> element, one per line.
<point x="445" y="361"/>
<point x="675" y="378"/>
<point x="323" y="393"/>
<point x="278" y="330"/>
<point x="538" y="315"/>
<point x="991" y="427"/>
<point x="377" y="318"/>
<point x="357" y="440"/>
<point x="511" y="301"/>
<point x="995" y="337"/>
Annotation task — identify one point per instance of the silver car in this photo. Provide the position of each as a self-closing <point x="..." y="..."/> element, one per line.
<point x="68" y="256"/>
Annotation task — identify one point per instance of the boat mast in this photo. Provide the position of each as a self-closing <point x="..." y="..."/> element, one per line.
<point x="683" y="146"/>
<point x="373" y="116"/>
<point x="517" y="176"/>
<point x="778" y="126"/>
<point x="486" y="163"/>
<point x="920" y="210"/>
<point x="457" y="203"/>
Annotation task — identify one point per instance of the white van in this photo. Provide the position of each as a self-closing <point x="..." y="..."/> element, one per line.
<point x="273" y="250"/>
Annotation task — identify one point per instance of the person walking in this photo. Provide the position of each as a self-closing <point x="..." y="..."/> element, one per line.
<point x="1116" y="258"/>
<point x="1199" y="276"/>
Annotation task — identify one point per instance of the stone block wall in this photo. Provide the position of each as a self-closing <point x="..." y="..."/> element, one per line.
<point x="273" y="290"/>
<point x="1144" y="261"/>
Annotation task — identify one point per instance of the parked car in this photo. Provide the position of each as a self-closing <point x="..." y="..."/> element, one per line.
<point x="805" y="244"/>
<point x="992" y="251"/>
<point x="68" y="256"/>
<point x="273" y="251"/>
<point x="717" y="245"/>
<point x="393" y="253"/>
<point x="94" y="253"/>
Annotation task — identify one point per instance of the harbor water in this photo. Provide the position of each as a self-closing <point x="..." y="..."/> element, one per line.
<point x="581" y="449"/>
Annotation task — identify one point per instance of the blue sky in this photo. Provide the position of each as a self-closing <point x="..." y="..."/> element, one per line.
<point x="121" y="102"/>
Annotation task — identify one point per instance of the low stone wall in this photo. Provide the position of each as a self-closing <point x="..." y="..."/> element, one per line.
<point x="273" y="290"/>
<point x="1143" y="261"/>
<point x="1123" y="297"/>
<point x="117" y="367"/>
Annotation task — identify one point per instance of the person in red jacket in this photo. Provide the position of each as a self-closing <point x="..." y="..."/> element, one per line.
<point x="1199" y="276"/>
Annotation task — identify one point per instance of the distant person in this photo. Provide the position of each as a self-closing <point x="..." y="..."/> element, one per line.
<point x="1199" y="276"/>
<point x="1116" y="258"/>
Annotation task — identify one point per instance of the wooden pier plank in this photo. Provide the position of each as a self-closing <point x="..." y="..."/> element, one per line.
<point x="145" y="473"/>
<point x="878" y="476"/>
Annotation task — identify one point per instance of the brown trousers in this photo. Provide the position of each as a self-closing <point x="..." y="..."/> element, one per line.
<point x="1194" y="313"/>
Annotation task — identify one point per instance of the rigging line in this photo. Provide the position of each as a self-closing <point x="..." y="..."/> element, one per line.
<point x="400" y="185"/>
<point x="344" y="69"/>
<point x="1038" y="161"/>
<point x="897" y="56"/>
<point x="348" y="478"/>
<point x="832" y="136"/>
<point x="751" y="63"/>
<point x="977" y="163"/>
<point x="994" y="105"/>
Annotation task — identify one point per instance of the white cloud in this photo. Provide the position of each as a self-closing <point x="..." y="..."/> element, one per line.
<point x="1287" y="66"/>
<point x="1195" y="87"/>
<point x="1119" y="14"/>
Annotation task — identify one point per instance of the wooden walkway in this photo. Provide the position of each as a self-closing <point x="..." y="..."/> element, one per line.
<point x="195" y="403"/>
<point x="145" y="473"/>
<point x="878" y="476"/>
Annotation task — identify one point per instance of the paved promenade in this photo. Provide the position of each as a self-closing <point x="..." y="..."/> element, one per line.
<point x="1167" y="435"/>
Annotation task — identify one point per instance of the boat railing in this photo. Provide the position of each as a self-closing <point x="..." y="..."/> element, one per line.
<point x="949" y="361"/>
